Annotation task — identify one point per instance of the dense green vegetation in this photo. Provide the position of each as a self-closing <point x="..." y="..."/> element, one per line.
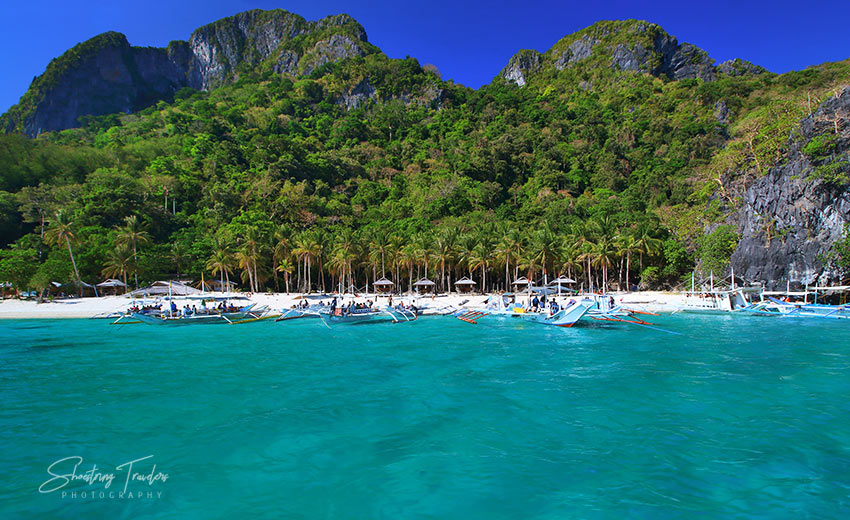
<point x="273" y="182"/>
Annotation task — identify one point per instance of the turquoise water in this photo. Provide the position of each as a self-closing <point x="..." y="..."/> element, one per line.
<point x="743" y="417"/>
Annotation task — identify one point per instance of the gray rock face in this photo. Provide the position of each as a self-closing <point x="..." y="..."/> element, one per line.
<point x="687" y="62"/>
<point x="118" y="77"/>
<point x="666" y="57"/>
<point x="577" y="51"/>
<point x="738" y="67"/>
<point x="111" y="76"/>
<point x="521" y="65"/>
<point x="336" y="48"/>
<point x="358" y="96"/>
<point x="802" y="216"/>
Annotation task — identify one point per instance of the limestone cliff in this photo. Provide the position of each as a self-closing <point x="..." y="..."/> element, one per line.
<point x="106" y="75"/>
<point x="790" y="217"/>
<point x="628" y="45"/>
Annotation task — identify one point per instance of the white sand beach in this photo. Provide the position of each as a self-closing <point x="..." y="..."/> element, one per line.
<point x="651" y="301"/>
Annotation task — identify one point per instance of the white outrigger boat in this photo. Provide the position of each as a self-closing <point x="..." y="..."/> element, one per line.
<point x="772" y="306"/>
<point x="244" y="314"/>
<point x="350" y="314"/>
<point x="223" y="313"/>
<point x="559" y="315"/>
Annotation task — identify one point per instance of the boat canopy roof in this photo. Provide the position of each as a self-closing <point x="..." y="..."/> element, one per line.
<point x="111" y="282"/>
<point x="562" y="280"/>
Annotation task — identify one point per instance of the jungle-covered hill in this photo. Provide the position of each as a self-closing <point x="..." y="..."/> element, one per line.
<point x="273" y="149"/>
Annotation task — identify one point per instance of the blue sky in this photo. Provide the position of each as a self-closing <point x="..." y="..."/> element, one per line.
<point x="468" y="40"/>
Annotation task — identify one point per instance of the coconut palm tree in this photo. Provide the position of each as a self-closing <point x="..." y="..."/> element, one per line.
<point x="481" y="257"/>
<point x="379" y="245"/>
<point x="118" y="263"/>
<point x="61" y="230"/>
<point x="444" y="251"/>
<point x="646" y="242"/>
<point x="284" y="265"/>
<point x="605" y="256"/>
<point x="281" y="250"/>
<point x="409" y="254"/>
<point x="466" y="252"/>
<point x="345" y="251"/>
<point x="178" y="256"/>
<point x="627" y="245"/>
<point x="544" y="247"/>
<point x="306" y="249"/>
<point x="221" y="262"/>
<point x="582" y="237"/>
<point x="132" y="234"/>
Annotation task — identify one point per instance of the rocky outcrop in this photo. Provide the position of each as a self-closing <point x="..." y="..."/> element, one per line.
<point x="790" y="218"/>
<point x="628" y="45"/>
<point x="521" y="65"/>
<point x="738" y="67"/>
<point x="105" y="75"/>
<point x="575" y="52"/>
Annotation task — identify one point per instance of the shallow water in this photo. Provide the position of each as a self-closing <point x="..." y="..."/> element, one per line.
<point x="737" y="416"/>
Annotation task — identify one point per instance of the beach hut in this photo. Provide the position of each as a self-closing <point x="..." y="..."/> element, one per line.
<point x="464" y="285"/>
<point x="383" y="286"/>
<point x="112" y="285"/>
<point x="75" y="286"/>
<point x="424" y="285"/>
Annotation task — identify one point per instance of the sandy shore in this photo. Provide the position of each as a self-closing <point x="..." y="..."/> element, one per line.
<point x="652" y="301"/>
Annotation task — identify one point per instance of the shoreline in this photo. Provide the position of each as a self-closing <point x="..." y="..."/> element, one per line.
<point x="76" y="308"/>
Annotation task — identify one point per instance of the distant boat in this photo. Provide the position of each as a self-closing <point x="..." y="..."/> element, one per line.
<point x="560" y="315"/>
<point x="210" y="317"/>
<point x="350" y="315"/>
<point x="774" y="307"/>
<point x="719" y="300"/>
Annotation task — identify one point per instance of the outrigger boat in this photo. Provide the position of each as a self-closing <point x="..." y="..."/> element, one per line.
<point x="565" y="315"/>
<point x="222" y="314"/>
<point x="351" y="314"/>
<point x="774" y="307"/>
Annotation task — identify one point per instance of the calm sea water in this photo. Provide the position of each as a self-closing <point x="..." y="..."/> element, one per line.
<point x="742" y="417"/>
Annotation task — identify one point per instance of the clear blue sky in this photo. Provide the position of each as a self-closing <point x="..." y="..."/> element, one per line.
<point x="468" y="40"/>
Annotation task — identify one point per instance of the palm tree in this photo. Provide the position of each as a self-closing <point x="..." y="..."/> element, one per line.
<point x="284" y="265"/>
<point x="444" y="251"/>
<point x="605" y="256"/>
<point x="281" y="250"/>
<point x="482" y="255"/>
<point x="544" y="247"/>
<point x="409" y="254"/>
<point x="305" y="250"/>
<point x="646" y="243"/>
<point x="379" y="245"/>
<point x="627" y="245"/>
<point x="582" y="237"/>
<point x="178" y="256"/>
<point x="466" y="251"/>
<point x="345" y="251"/>
<point x="118" y="263"/>
<point x="569" y="261"/>
<point x="132" y="234"/>
<point x="221" y="263"/>
<point x="424" y="249"/>
<point x="61" y="230"/>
